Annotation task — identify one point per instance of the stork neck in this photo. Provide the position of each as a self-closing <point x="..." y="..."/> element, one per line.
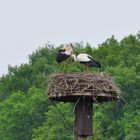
<point x="74" y="57"/>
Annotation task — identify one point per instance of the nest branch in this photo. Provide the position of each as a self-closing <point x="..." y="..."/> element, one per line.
<point x="82" y="84"/>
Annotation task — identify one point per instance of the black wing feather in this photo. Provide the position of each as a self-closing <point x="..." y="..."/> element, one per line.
<point x="62" y="57"/>
<point x="93" y="62"/>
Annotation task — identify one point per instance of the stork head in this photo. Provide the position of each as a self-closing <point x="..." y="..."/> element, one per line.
<point x="69" y="47"/>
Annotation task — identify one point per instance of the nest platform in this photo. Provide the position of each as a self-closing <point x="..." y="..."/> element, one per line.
<point x="71" y="87"/>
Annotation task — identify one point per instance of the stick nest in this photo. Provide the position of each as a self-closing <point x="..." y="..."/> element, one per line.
<point x="70" y="87"/>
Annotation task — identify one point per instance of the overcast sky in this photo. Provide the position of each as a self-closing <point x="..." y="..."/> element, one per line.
<point x="27" y="24"/>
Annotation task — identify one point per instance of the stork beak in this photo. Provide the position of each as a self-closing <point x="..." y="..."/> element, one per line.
<point x="72" y="46"/>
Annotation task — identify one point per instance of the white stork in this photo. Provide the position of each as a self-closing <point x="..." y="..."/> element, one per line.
<point x="86" y="59"/>
<point x="65" y="52"/>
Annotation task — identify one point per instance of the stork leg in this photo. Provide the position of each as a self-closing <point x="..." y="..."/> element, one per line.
<point x="62" y="67"/>
<point x="87" y="69"/>
<point x="98" y="70"/>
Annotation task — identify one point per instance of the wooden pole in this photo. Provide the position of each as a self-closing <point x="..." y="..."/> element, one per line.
<point x="80" y="138"/>
<point x="83" y="118"/>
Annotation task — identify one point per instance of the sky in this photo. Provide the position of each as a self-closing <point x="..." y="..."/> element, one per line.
<point x="26" y="25"/>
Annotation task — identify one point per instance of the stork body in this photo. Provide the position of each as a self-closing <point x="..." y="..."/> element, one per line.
<point x="64" y="53"/>
<point x="87" y="60"/>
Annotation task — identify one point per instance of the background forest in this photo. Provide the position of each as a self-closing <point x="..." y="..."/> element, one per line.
<point x="27" y="114"/>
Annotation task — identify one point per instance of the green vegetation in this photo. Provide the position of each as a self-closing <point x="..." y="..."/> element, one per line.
<point x="27" y="114"/>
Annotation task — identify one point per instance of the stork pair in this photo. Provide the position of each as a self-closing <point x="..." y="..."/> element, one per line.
<point x="67" y="52"/>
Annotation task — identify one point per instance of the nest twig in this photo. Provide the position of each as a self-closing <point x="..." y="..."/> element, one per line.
<point x="71" y="86"/>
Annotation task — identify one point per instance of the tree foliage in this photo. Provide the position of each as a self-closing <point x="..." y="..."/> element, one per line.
<point x="27" y="114"/>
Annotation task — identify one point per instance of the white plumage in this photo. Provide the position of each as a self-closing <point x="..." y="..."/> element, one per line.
<point x="86" y="59"/>
<point x="83" y="57"/>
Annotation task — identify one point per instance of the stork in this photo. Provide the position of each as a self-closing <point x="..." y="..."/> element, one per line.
<point x="65" y="52"/>
<point x="86" y="59"/>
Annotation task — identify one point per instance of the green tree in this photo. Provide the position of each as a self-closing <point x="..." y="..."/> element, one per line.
<point x="21" y="113"/>
<point x="58" y="125"/>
